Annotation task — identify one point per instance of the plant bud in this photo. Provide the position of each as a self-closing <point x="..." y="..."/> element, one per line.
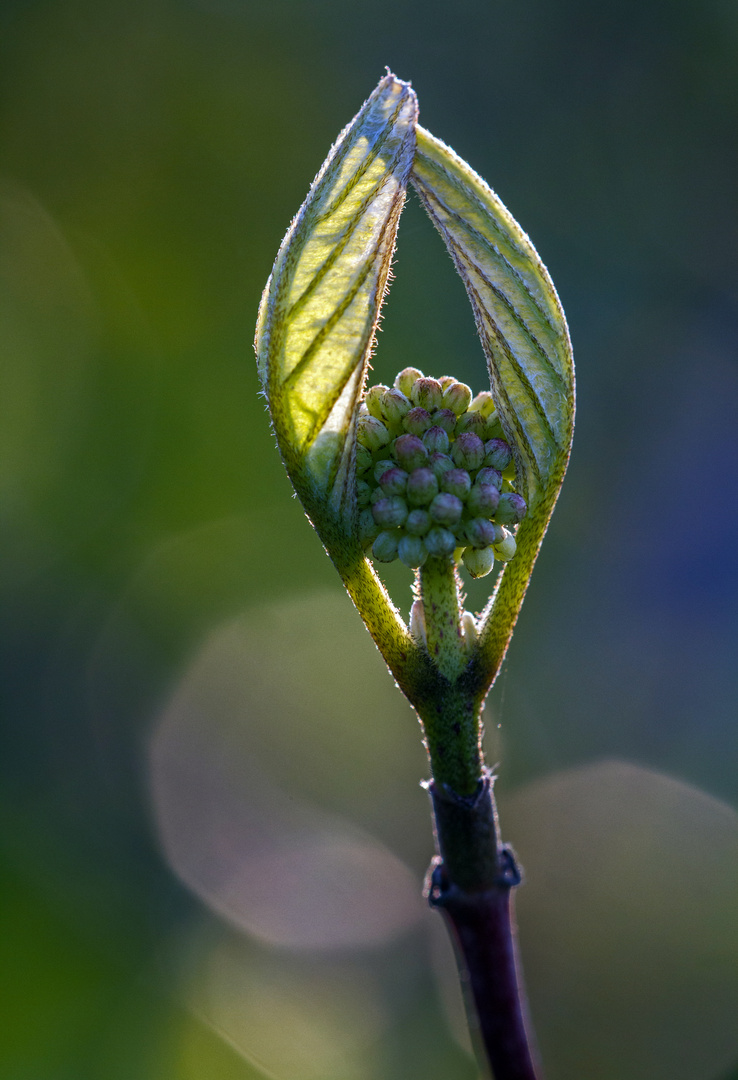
<point x="494" y="427"/>
<point x="373" y="400"/>
<point x="390" y="511"/>
<point x="393" y="481"/>
<point x="472" y="421"/>
<point x="506" y="548"/>
<point x="363" y="459"/>
<point x="440" y="542"/>
<point x="427" y="393"/>
<point x="409" y="452"/>
<point x="446" y="380"/>
<point x="371" y="432"/>
<point x="479" y="562"/>
<point x="511" y="509"/>
<point x="412" y="551"/>
<point x="407" y="379"/>
<point x="445" y="419"/>
<point x="381" y="467"/>
<point x="417" y="421"/>
<point x="384" y="548"/>
<point x="456" y="482"/>
<point x="422" y="486"/>
<point x="446" y="509"/>
<point x="457" y="397"/>
<point x="468" y="452"/>
<point x="436" y="441"/>
<point x="483" y="403"/>
<point x="480" y="532"/>
<point x="368" y="528"/>
<point x="377" y="494"/>
<point x="440" y="463"/>
<point x="363" y="493"/>
<point x="498" y="454"/>
<point x="488" y="475"/>
<point x="418" y="522"/>
<point x="483" y="500"/>
<point x="395" y="406"/>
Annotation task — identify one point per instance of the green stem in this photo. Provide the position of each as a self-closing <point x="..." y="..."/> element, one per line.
<point x="439" y="591"/>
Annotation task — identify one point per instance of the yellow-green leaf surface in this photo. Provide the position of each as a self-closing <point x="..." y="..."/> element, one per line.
<point x="519" y="318"/>
<point x="320" y="308"/>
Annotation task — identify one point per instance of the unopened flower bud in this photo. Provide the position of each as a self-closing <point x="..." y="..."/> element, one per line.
<point x="468" y="451"/>
<point x="395" y="406"/>
<point x="381" y="467"/>
<point x="457" y="397"/>
<point x="483" y="500"/>
<point x="506" y="548"/>
<point x="390" y="511"/>
<point x="363" y="493"/>
<point x="363" y="459"/>
<point x="377" y="494"/>
<point x="393" y="481"/>
<point x="441" y="463"/>
<point x="480" y="532"/>
<point x="422" y="486"/>
<point x="418" y="522"/>
<point x="409" y="452"/>
<point x="440" y="542"/>
<point x="436" y="440"/>
<point x="373" y="400"/>
<point x="427" y="393"/>
<point x="384" y="548"/>
<point x="412" y="551"/>
<point x="417" y="421"/>
<point x="446" y="509"/>
<point x="472" y="421"/>
<point x="368" y="528"/>
<point x="446" y="380"/>
<point x="483" y="403"/>
<point x="456" y="482"/>
<point x="479" y="561"/>
<point x="488" y="475"/>
<point x="498" y="454"/>
<point x="445" y="419"/>
<point x="371" y="432"/>
<point x="494" y="427"/>
<point x="407" y="379"/>
<point x="511" y="509"/>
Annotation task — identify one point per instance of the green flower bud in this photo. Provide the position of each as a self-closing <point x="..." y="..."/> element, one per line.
<point x="494" y="427"/>
<point x="381" y="468"/>
<point x="441" y="463"/>
<point x="498" y="454"/>
<point x="371" y="432"/>
<point x="427" y="393"/>
<point x="412" y="551"/>
<point x="446" y="380"/>
<point x="364" y="459"/>
<point x="422" y="486"/>
<point x="390" y="511"/>
<point x="480" y="532"/>
<point x="395" y="406"/>
<point x="393" y="481"/>
<point x="406" y="380"/>
<point x="418" y="522"/>
<point x="511" y="509"/>
<point x="363" y="493"/>
<point x="472" y="421"/>
<point x="468" y="452"/>
<point x="440" y="542"/>
<point x="373" y="400"/>
<point x="446" y="509"/>
<point x="457" y="397"/>
<point x="436" y="441"/>
<point x="409" y="452"/>
<point x="479" y="562"/>
<point x="445" y="419"/>
<point x="506" y="548"/>
<point x="488" y="475"/>
<point x="456" y="482"/>
<point x="384" y="548"/>
<point x="368" y="528"/>
<point x="483" y="403"/>
<point x="483" y="500"/>
<point x="417" y="421"/>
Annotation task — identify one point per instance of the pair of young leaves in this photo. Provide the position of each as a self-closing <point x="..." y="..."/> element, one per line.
<point x="316" y="332"/>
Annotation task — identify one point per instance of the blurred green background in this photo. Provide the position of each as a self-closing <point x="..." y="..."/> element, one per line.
<point x="197" y="733"/>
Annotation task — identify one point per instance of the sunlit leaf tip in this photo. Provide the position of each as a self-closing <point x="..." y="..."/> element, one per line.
<point x="320" y="308"/>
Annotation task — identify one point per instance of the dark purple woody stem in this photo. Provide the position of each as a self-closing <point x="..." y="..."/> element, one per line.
<point x="471" y="883"/>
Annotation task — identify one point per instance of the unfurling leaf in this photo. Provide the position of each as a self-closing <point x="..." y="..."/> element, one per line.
<point x="320" y="308"/>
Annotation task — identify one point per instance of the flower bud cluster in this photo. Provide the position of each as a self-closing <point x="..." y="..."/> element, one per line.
<point x="435" y="475"/>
